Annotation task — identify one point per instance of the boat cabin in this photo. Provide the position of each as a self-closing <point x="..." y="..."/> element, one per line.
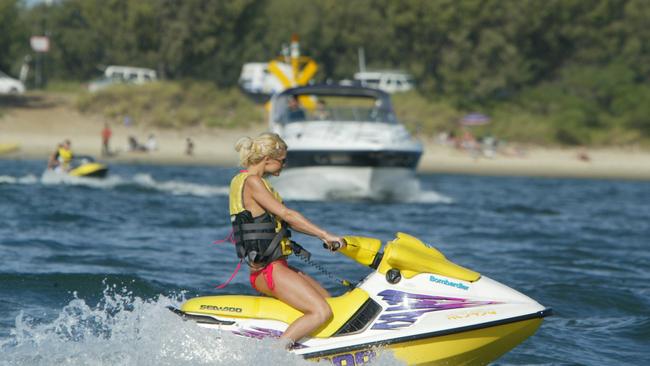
<point x="333" y="103"/>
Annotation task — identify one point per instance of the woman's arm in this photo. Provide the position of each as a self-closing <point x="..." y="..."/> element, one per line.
<point x="297" y="221"/>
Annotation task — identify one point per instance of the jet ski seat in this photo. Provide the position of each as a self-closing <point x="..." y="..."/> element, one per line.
<point x="412" y="257"/>
<point x="260" y="307"/>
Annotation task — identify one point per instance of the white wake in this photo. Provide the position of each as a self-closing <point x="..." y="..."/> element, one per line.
<point x="127" y="330"/>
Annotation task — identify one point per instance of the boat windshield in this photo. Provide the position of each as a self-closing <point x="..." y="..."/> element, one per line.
<point x="301" y="108"/>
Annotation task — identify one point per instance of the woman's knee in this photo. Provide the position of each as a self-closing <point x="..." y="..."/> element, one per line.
<point x="324" y="312"/>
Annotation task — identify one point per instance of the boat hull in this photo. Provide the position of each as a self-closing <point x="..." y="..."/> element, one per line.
<point x="354" y="158"/>
<point x="347" y="182"/>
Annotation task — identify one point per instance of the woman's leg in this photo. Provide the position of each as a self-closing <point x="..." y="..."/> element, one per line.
<point x="295" y="290"/>
<point x="317" y="286"/>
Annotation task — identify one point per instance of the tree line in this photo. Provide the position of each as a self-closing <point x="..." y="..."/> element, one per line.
<point x="580" y="65"/>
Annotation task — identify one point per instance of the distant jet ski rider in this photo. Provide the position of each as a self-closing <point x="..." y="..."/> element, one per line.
<point x="61" y="158"/>
<point x="260" y="229"/>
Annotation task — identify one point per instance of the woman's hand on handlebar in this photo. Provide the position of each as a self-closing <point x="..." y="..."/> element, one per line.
<point x="333" y="242"/>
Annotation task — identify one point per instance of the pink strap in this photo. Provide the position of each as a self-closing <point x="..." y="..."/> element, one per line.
<point x="228" y="239"/>
<point x="231" y="277"/>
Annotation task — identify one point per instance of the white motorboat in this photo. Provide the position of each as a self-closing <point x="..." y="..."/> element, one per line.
<point x="344" y="142"/>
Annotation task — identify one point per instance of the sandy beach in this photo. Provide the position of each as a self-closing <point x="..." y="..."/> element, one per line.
<point x="39" y="125"/>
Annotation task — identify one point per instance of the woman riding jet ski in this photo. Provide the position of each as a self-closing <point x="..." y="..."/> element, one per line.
<point x="63" y="161"/>
<point x="260" y="231"/>
<point x="416" y="303"/>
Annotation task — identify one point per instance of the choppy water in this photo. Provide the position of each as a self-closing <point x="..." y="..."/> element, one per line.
<point x="87" y="269"/>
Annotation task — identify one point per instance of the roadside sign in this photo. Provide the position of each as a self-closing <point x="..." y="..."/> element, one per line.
<point x="40" y="43"/>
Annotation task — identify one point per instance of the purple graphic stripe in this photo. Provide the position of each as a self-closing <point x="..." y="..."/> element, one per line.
<point x="261" y="333"/>
<point x="407" y="308"/>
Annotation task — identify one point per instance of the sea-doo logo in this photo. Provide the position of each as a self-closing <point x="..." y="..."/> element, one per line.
<point x="448" y="283"/>
<point x="221" y="308"/>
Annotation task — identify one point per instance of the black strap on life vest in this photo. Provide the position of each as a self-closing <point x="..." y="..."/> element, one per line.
<point x="256" y="240"/>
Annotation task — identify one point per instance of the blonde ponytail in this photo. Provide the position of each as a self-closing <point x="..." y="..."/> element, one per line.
<point x="253" y="150"/>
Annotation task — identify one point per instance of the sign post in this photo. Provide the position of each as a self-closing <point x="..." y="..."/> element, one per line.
<point x="40" y="45"/>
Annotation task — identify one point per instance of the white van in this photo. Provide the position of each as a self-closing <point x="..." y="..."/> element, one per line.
<point x="9" y="85"/>
<point x="136" y="75"/>
<point x="258" y="82"/>
<point x="123" y="74"/>
<point x="387" y="80"/>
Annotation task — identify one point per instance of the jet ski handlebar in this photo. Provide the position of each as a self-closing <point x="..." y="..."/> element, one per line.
<point x="334" y="246"/>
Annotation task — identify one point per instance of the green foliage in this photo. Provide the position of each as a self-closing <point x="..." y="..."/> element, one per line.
<point x="13" y="40"/>
<point x="173" y="104"/>
<point x="65" y="86"/>
<point x="424" y="116"/>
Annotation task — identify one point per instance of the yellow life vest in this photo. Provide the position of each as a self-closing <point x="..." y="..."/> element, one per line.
<point x="261" y="239"/>
<point x="65" y="155"/>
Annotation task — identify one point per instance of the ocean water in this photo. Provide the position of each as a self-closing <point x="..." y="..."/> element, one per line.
<point x="88" y="267"/>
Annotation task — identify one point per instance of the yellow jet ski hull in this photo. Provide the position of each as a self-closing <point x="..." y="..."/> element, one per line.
<point x="94" y="170"/>
<point x="472" y="347"/>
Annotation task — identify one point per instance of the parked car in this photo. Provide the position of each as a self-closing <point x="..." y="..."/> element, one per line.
<point x="9" y="85"/>
<point x="122" y="75"/>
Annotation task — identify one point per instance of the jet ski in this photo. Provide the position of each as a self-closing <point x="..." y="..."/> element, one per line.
<point x="86" y="166"/>
<point x="416" y="303"/>
<point x="79" y="166"/>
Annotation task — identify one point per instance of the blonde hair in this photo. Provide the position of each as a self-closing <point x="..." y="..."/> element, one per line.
<point x="253" y="150"/>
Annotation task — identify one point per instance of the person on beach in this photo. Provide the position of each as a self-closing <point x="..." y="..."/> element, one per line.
<point x="106" y="138"/>
<point x="152" y="144"/>
<point x="135" y="146"/>
<point x="189" y="147"/>
<point x="260" y="231"/>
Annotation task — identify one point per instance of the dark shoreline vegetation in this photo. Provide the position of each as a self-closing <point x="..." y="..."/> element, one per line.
<point x="549" y="72"/>
<point x="173" y="105"/>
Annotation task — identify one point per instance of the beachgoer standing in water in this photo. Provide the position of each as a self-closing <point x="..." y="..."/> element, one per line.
<point x="260" y="225"/>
